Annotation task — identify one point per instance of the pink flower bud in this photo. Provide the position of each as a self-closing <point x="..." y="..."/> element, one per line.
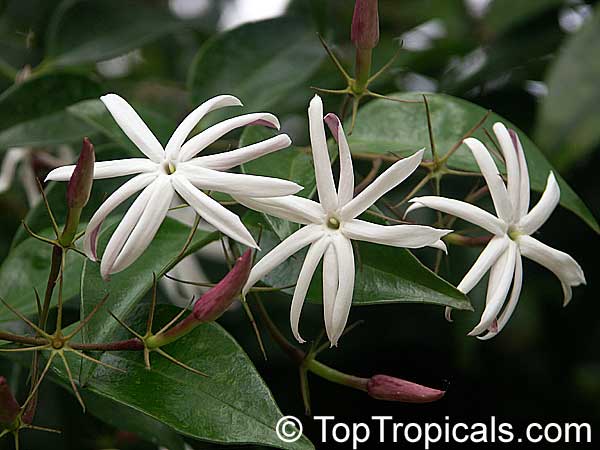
<point x="384" y="387"/>
<point x="80" y="184"/>
<point x="365" y="24"/>
<point x="9" y="408"/>
<point x="215" y="302"/>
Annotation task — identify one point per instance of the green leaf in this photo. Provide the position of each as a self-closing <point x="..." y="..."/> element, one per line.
<point x="383" y="275"/>
<point x="384" y="126"/>
<point x="257" y="62"/>
<point x="83" y="31"/>
<point x="567" y="125"/>
<point x="94" y="113"/>
<point x="26" y="268"/>
<point x="232" y="405"/>
<point x="126" y="289"/>
<point x="54" y="129"/>
<point x="43" y="95"/>
<point x="293" y="163"/>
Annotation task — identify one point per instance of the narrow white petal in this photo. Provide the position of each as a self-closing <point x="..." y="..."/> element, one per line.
<point x="566" y="269"/>
<point x="90" y="240"/>
<point x="523" y="177"/>
<point x="492" y="178"/>
<point x="233" y="158"/>
<point x="508" y="310"/>
<point x="330" y="286"/>
<point x="190" y="122"/>
<point x="486" y="259"/>
<point x="346" y="184"/>
<point x="313" y="256"/>
<point x="214" y="213"/>
<point x="133" y="126"/>
<point x="343" y="298"/>
<point x="29" y="182"/>
<point x="407" y="236"/>
<point x="9" y="166"/>
<point x="387" y="181"/>
<point x="291" y="207"/>
<point x="236" y="183"/>
<point x="107" y="169"/>
<point x="501" y="276"/>
<point x="144" y="231"/>
<point x="123" y="230"/>
<point x="321" y="161"/>
<point x="462" y="210"/>
<point x="292" y="244"/>
<point x="511" y="159"/>
<point x="203" y="139"/>
<point x="538" y="215"/>
<point x="440" y="245"/>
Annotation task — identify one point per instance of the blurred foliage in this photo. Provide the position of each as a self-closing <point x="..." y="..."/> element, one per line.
<point x="532" y="62"/>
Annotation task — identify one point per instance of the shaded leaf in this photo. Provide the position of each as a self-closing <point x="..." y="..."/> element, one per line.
<point x="232" y="405"/>
<point x="83" y="31"/>
<point x="568" y="125"/>
<point x="26" y="268"/>
<point x="257" y="62"/>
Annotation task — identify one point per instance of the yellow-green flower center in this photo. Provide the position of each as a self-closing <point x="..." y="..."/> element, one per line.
<point x="333" y="223"/>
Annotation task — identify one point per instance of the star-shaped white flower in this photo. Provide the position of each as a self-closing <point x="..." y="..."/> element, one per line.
<point x="176" y="170"/>
<point x="331" y="225"/>
<point x="512" y="229"/>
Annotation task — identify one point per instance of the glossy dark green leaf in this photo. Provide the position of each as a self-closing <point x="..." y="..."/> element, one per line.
<point x="257" y="62"/>
<point x="293" y="163"/>
<point x="567" y="126"/>
<point x="383" y="127"/>
<point x="94" y="113"/>
<point x="26" y="268"/>
<point x="43" y="95"/>
<point x="232" y="405"/>
<point x="82" y="31"/>
<point x="125" y="289"/>
<point x="54" y="129"/>
<point x="383" y="275"/>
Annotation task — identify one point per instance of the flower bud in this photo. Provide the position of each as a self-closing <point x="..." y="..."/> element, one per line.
<point x="365" y="24"/>
<point x="218" y="299"/>
<point x="9" y="408"/>
<point x="211" y="305"/>
<point x="80" y="184"/>
<point x="384" y="387"/>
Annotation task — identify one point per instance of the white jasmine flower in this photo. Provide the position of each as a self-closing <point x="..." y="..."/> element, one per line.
<point x="512" y="229"/>
<point x="176" y="170"/>
<point x="20" y="161"/>
<point x="332" y="224"/>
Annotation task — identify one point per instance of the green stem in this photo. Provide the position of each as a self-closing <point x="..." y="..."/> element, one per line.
<point x="362" y="69"/>
<point x="335" y="376"/>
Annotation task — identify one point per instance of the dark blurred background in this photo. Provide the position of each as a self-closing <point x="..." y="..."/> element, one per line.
<point x="502" y="55"/>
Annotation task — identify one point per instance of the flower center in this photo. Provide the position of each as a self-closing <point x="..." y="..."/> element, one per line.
<point x="333" y="223"/>
<point x="513" y="233"/>
<point x="169" y="167"/>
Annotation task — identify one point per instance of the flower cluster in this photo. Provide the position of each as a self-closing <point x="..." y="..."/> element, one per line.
<point x="329" y="225"/>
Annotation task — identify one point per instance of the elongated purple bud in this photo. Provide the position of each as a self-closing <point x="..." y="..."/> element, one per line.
<point x="365" y="24"/>
<point x="211" y="305"/>
<point x="217" y="300"/>
<point x="80" y="184"/>
<point x="9" y="408"/>
<point x="384" y="387"/>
